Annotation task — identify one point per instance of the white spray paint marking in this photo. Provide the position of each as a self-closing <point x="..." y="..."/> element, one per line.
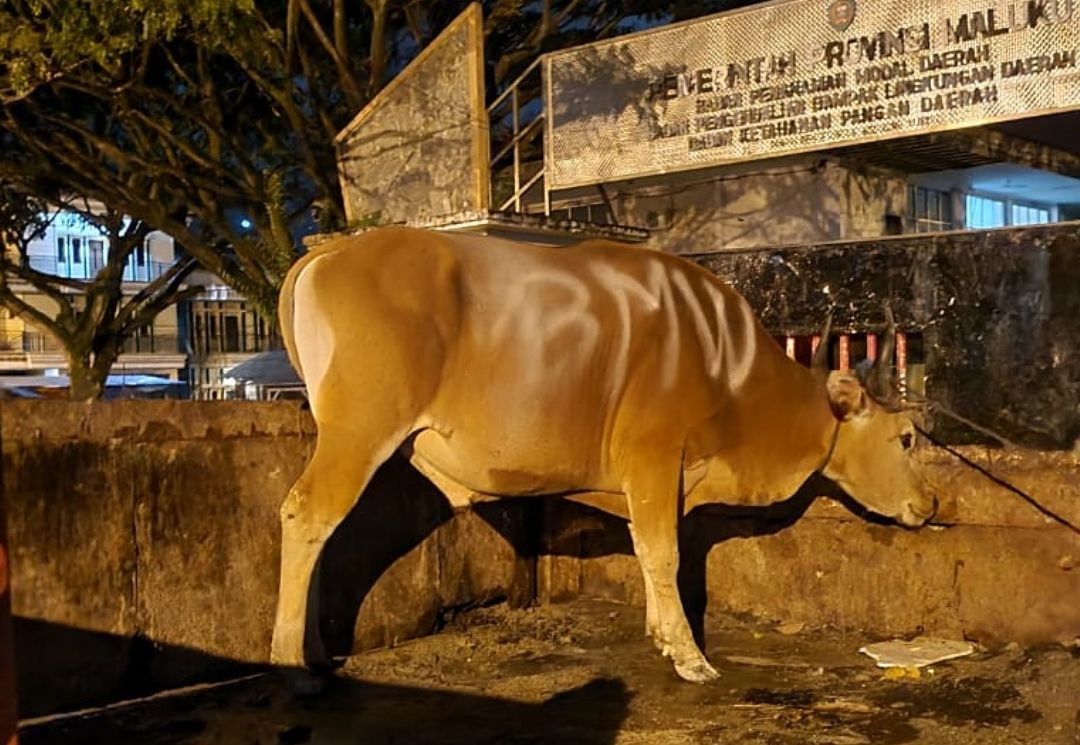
<point x="532" y="322"/>
<point x="710" y="345"/>
<point x="741" y="360"/>
<point x="670" y="368"/>
<point x="655" y="295"/>
<point x="606" y="275"/>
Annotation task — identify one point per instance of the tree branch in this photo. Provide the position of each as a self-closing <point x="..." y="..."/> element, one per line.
<point x="169" y="280"/>
<point x="348" y="80"/>
<point x="24" y="310"/>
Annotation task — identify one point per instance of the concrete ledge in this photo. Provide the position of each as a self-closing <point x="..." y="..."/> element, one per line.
<point x="144" y="546"/>
<point x="152" y="421"/>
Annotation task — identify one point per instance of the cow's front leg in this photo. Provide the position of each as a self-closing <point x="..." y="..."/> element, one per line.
<point x="652" y="618"/>
<point x="653" y="496"/>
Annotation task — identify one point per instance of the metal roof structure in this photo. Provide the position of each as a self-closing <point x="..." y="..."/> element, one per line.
<point x="267" y="368"/>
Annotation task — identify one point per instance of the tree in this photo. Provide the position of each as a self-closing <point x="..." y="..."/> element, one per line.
<point x="93" y="318"/>
<point x="191" y="116"/>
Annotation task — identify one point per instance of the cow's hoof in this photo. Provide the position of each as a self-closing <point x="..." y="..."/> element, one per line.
<point x="696" y="671"/>
<point x="286" y="650"/>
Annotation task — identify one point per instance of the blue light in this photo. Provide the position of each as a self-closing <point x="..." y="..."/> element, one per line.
<point x="245" y="223"/>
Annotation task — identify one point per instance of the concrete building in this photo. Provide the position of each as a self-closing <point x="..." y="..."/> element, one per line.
<point x="195" y="342"/>
<point x="818" y="157"/>
<point x="222" y="330"/>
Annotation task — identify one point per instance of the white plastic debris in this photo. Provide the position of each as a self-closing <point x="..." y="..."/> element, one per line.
<point x="917" y="652"/>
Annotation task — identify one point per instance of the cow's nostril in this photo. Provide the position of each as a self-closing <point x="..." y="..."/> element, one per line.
<point x="918" y="513"/>
<point x="933" y="507"/>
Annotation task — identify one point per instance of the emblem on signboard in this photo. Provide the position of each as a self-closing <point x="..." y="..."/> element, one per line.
<point x="841" y="14"/>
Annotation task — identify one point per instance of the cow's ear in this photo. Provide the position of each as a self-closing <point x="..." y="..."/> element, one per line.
<point x="846" y="395"/>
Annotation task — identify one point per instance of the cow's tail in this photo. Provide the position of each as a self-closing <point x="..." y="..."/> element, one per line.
<point x="286" y="310"/>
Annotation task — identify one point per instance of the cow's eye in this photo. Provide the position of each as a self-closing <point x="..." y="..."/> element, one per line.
<point x="907" y="440"/>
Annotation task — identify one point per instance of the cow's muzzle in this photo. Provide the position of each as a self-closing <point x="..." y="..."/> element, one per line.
<point x="916" y="515"/>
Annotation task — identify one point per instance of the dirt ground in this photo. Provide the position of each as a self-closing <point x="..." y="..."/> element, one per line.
<point x="584" y="673"/>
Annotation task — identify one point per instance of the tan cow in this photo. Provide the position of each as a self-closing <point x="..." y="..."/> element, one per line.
<point x="630" y="380"/>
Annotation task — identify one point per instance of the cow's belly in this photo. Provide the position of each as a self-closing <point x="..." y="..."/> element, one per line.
<point x="503" y="466"/>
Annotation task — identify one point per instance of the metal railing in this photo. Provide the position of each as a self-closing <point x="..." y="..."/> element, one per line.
<point x="516" y="119"/>
<point x="847" y="348"/>
<point x="36" y="342"/>
<point x="249" y="344"/>
<point x="147" y="271"/>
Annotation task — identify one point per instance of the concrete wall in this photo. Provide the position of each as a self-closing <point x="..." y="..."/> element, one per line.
<point x="144" y="540"/>
<point x="144" y="549"/>
<point x="8" y="713"/>
<point x="997" y="311"/>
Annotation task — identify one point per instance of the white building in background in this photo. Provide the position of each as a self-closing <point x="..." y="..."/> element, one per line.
<point x="221" y="330"/>
<point x="196" y="341"/>
<point x="73" y="248"/>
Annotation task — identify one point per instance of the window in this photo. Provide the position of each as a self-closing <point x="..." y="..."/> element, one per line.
<point x="982" y="212"/>
<point x="985" y="212"/>
<point x="76" y="250"/>
<point x="61" y="249"/>
<point x="929" y="210"/>
<point x="96" y="248"/>
<point x="227" y="326"/>
<point x="144" y="340"/>
<point x="597" y="213"/>
<point x="1023" y="214"/>
<point x="231" y="332"/>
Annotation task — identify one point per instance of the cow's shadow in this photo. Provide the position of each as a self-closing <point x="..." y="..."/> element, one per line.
<point x="401" y="508"/>
<point x="583" y="532"/>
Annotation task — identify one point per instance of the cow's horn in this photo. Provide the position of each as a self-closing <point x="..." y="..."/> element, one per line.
<point x="821" y="354"/>
<point x="880" y="382"/>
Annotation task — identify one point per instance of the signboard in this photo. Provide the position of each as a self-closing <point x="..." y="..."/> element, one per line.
<point x="802" y="75"/>
<point x="420" y="147"/>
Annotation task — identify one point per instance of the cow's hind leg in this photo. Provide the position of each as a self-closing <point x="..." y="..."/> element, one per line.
<point x="653" y="495"/>
<point x="345" y="459"/>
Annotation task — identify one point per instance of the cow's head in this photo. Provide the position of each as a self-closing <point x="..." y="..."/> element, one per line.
<point x="872" y="458"/>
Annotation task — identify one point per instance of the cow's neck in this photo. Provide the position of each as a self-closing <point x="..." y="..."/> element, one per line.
<point x="782" y="432"/>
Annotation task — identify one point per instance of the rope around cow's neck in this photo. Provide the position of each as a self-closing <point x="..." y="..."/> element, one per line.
<point x="832" y="449"/>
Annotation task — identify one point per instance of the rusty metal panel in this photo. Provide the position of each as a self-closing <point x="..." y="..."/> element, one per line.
<point x="420" y="147"/>
<point x="802" y="75"/>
